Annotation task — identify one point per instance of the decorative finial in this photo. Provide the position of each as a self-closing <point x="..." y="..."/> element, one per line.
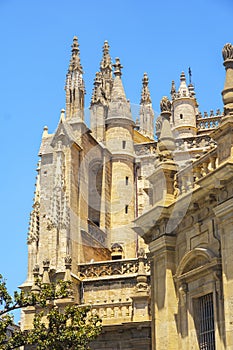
<point x="118" y="67"/>
<point x="97" y="95"/>
<point x="62" y="114"/>
<point x="227" y="52"/>
<point x="45" y="131"/>
<point x="145" y="95"/>
<point x="35" y="287"/>
<point x="227" y="93"/>
<point x="165" y="105"/>
<point x="46" y="264"/>
<point x="166" y="143"/>
<point x="142" y="285"/>
<point x="191" y="90"/>
<point x="75" y="59"/>
<point x="75" y="46"/>
<point x="173" y="89"/>
<point x="182" y="77"/>
<point x="45" y="278"/>
<point x="68" y="277"/>
<point x="106" y="59"/>
<point x="68" y="261"/>
<point x="36" y="271"/>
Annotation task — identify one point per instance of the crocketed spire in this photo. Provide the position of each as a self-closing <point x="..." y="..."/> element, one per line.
<point x="183" y="89"/>
<point x="106" y="63"/>
<point x="146" y="112"/>
<point x="75" y="89"/>
<point x="97" y="94"/>
<point x="173" y="90"/>
<point x="118" y="92"/>
<point x="119" y="106"/>
<point x="75" y="58"/>
<point x="145" y="95"/>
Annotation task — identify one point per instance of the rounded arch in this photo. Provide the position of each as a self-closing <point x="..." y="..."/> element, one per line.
<point x="193" y="259"/>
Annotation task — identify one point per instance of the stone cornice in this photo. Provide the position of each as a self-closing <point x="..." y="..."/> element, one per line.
<point x="163" y="244"/>
<point x="224" y="209"/>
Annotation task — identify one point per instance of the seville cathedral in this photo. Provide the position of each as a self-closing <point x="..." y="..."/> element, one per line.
<point x="142" y="225"/>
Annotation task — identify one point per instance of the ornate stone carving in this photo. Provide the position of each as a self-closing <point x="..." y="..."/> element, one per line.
<point x="158" y="126"/>
<point x="141" y="253"/>
<point x="145" y="95"/>
<point x="116" y="248"/>
<point x="46" y="263"/>
<point x="68" y="261"/>
<point x="227" y="52"/>
<point x="59" y="215"/>
<point x="165" y="104"/>
<point x="115" y="267"/>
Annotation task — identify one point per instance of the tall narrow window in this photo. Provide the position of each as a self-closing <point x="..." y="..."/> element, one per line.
<point x="126" y="209"/>
<point x="204" y="321"/>
<point x="126" y="180"/>
<point x="123" y="144"/>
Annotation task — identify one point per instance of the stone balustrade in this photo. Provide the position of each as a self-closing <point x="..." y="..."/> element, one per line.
<point x="145" y="149"/>
<point x="115" y="312"/>
<point x="208" y="122"/>
<point x="187" y="178"/>
<point x="200" y="141"/>
<point x="104" y="269"/>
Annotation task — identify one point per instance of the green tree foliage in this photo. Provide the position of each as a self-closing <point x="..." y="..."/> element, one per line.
<point x="71" y="327"/>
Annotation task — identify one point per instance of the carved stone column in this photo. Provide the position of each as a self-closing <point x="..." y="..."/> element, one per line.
<point x="224" y="133"/>
<point x="227" y="93"/>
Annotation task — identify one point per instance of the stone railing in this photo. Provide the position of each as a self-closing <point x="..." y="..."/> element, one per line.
<point x="103" y="269"/>
<point x="115" y="312"/>
<point x="187" y="178"/>
<point x="97" y="233"/>
<point x="200" y="141"/>
<point x="145" y="149"/>
<point x="208" y="122"/>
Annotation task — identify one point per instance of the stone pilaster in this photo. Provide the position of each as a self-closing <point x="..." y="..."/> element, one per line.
<point x="224" y="214"/>
<point x="164" y="300"/>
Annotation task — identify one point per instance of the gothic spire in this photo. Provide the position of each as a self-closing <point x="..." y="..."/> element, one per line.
<point x="75" y="89"/>
<point x="173" y="90"/>
<point x="106" y="63"/>
<point x="145" y="95"/>
<point x="97" y="94"/>
<point x="119" y="106"/>
<point x="118" y="93"/>
<point x="166" y="138"/>
<point x="75" y="57"/>
<point x="146" y="112"/>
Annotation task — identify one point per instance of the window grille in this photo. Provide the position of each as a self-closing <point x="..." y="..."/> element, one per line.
<point x="205" y="322"/>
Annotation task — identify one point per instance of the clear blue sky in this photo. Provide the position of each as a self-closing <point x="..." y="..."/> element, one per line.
<point x="159" y="37"/>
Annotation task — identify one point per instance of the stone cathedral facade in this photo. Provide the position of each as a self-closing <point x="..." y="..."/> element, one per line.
<point x="141" y="225"/>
